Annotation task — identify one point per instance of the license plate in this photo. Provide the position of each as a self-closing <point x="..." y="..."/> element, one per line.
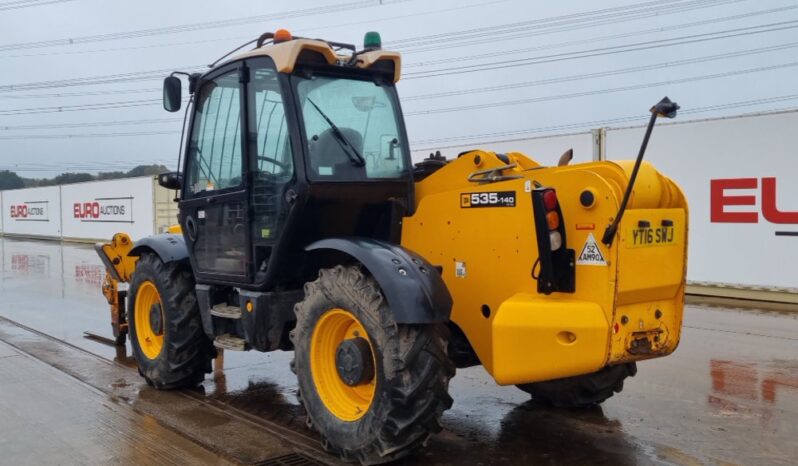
<point x="651" y="236"/>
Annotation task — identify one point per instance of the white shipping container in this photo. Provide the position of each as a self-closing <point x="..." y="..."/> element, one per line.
<point x="91" y="211"/>
<point x="33" y="212"/>
<point x="740" y="176"/>
<point x="98" y="209"/>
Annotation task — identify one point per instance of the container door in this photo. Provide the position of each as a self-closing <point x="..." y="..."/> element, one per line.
<point x="213" y="210"/>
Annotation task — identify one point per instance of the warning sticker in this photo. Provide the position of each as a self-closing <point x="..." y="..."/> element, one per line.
<point x="591" y="253"/>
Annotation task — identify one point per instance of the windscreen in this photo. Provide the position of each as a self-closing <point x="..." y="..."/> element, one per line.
<point x="352" y="128"/>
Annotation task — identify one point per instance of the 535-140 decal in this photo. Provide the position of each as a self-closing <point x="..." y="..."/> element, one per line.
<point x="488" y="199"/>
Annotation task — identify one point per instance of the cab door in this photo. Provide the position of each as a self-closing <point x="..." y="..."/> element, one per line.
<point x="214" y="205"/>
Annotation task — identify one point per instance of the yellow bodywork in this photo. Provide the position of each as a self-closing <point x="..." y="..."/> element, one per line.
<point x="116" y="258"/>
<point x="487" y="255"/>
<point x="119" y="267"/>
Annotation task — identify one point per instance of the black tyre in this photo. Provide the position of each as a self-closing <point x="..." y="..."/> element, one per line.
<point x="169" y="345"/>
<point x="374" y="389"/>
<point x="581" y="391"/>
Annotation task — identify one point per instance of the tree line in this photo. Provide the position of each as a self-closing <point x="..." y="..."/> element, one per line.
<point x="11" y="180"/>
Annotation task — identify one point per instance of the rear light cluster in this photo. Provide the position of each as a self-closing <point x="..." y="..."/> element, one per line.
<point x="552" y="219"/>
<point x="555" y="265"/>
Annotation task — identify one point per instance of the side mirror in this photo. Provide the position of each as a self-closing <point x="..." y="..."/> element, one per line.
<point x="172" y="93"/>
<point x="170" y="180"/>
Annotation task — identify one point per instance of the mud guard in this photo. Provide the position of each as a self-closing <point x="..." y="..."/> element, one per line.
<point x="413" y="287"/>
<point x="169" y="247"/>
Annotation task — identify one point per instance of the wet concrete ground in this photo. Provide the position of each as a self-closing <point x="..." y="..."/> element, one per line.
<point x="729" y="395"/>
<point x="49" y="417"/>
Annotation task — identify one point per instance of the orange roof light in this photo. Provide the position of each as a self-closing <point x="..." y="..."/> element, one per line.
<point x="282" y="35"/>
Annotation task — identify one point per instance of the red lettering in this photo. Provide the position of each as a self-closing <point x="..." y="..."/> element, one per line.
<point x="86" y="210"/>
<point x="769" y="210"/>
<point x="19" y="211"/>
<point x="718" y="200"/>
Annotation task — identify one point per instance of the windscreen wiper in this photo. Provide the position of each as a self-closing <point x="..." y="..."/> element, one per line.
<point x="351" y="151"/>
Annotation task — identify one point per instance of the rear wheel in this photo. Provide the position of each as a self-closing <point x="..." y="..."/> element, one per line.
<point x="374" y="389"/>
<point x="169" y="345"/>
<point x="581" y="391"/>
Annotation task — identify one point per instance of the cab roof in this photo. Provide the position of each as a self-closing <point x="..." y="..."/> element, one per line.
<point x="287" y="54"/>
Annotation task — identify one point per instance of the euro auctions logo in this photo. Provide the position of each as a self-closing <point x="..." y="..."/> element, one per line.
<point x="722" y="196"/>
<point x="32" y="211"/>
<point x="105" y="209"/>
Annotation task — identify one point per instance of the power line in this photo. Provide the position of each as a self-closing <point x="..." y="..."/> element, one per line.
<point x="152" y="74"/>
<point x="600" y="123"/>
<point x="241" y="37"/>
<point x="511" y="31"/>
<point x="124" y="104"/>
<point x="632" y="47"/>
<point x="588" y="17"/>
<point x="27" y="4"/>
<point x="594" y="123"/>
<point x="91" y="135"/>
<point x="103" y="79"/>
<point x="612" y="50"/>
<point x="81" y="94"/>
<point x="659" y="8"/>
<point x="611" y="90"/>
<point x="601" y="74"/>
<point x="91" y="124"/>
<point x="590" y="40"/>
<point x="187" y="27"/>
<point x="80" y="107"/>
<point x="137" y="103"/>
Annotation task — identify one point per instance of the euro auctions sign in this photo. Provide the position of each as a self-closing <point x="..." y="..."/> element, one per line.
<point x="104" y="209"/>
<point x="30" y="211"/>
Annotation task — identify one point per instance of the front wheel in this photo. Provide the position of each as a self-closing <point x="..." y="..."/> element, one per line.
<point x="581" y="391"/>
<point x="374" y="389"/>
<point x="169" y="345"/>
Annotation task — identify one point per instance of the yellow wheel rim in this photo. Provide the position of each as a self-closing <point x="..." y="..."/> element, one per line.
<point x="150" y="342"/>
<point x="348" y="403"/>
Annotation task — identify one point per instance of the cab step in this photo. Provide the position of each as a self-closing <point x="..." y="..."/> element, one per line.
<point x="226" y="311"/>
<point x="230" y="342"/>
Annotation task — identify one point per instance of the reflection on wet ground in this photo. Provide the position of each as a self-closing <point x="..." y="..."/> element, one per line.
<point x="728" y="395"/>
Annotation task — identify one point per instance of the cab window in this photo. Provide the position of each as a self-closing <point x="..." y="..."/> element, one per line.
<point x="352" y="129"/>
<point x="215" y="147"/>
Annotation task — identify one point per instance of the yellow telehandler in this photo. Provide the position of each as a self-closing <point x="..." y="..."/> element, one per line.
<point x="304" y="226"/>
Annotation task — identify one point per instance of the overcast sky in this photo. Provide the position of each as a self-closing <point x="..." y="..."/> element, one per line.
<point x="548" y="66"/>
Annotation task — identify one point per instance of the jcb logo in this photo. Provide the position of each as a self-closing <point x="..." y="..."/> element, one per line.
<point x="465" y="200"/>
<point x="720" y="198"/>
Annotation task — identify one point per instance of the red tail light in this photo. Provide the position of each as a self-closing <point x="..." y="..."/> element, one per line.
<point x="550" y="199"/>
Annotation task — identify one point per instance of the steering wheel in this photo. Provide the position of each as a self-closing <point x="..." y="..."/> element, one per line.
<point x="282" y="165"/>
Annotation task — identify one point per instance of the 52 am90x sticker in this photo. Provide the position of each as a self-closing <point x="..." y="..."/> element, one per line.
<point x="489" y="199"/>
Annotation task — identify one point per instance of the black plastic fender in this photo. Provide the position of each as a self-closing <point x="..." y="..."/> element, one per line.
<point x="415" y="290"/>
<point x="169" y="247"/>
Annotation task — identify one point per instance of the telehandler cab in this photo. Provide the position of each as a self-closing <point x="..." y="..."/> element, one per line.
<point x="303" y="226"/>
